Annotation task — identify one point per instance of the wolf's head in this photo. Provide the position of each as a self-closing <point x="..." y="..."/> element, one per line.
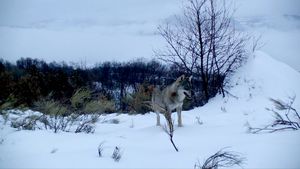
<point x="184" y="85"/>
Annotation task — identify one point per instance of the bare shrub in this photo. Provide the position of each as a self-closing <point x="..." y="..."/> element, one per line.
<point x="286" y="117"/>
<point x="117" y="155"/>
<point x="71" y="123"/>
<point x="199" y="121"/>
<point x="22" y="120"/>
<point x="25" y="123"/>
<point x="221" y="159"/>
<point x="57" y="115"/>
<point x="100" y="149"/>
<point x="86" y="123"/>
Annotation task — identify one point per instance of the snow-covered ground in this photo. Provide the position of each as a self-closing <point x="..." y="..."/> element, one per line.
<point x="91" y="32"/>
<point x="145" y="145"/>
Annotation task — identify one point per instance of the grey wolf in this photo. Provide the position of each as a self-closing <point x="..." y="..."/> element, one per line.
<point x="171" y="97"/>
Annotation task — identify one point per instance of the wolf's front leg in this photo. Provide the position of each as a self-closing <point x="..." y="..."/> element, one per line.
<point x="179" y="109"/>
<point x="157" y="119"/>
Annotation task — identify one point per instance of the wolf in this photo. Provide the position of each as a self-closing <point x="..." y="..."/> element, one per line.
<point x="171" y="97"/>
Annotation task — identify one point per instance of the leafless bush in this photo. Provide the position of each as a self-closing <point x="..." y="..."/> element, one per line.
<point x="286" y="117"/>
<point x="86" y="123"/>
<point x="67" y="123"/>
<point x="117" y="155"/>
<point x="100" y="149"/>
<point x="71" y="123"/>
<point x="221" y="159"/>
<point x="199" y="121"/>
<point x="58" y="117"/>
<point x="58" y="123"/>
<point x="26" y="123"/>
<point x="169" y="128"/>
<point x="204" y="42"/>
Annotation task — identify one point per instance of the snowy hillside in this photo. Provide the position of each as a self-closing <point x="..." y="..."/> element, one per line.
<point x="144" y="145"/>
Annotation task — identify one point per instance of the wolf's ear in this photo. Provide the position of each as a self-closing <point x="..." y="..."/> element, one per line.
<point x="190" y="78"/>
<point x="181" y="78"/>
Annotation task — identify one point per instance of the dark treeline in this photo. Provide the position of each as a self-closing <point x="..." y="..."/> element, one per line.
<point x="30" y="80"/>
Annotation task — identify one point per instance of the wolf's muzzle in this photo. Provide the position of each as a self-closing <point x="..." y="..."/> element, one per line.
<point x="188" y="95"/>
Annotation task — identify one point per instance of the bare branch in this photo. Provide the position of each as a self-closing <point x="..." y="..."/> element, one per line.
<point x="221" y="159"/>
<point x="169" y="128"/>
<point x="281" y="122"/>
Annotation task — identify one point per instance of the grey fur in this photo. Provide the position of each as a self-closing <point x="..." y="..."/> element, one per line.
<point x="171" y="98"/>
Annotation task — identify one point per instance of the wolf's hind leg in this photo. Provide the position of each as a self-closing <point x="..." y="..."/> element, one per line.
<point x="179" y="109"/>
<point x="157" y="119"/>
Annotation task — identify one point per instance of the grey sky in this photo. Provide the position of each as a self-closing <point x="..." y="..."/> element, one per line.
<point x="99" y="30"/>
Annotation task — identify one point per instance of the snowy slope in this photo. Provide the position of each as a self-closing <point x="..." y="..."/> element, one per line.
<point x="146" y="146"/>
<point x="277" y="22"/>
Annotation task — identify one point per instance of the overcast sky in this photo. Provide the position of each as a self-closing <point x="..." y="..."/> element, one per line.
<point x="93" y="31"/>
